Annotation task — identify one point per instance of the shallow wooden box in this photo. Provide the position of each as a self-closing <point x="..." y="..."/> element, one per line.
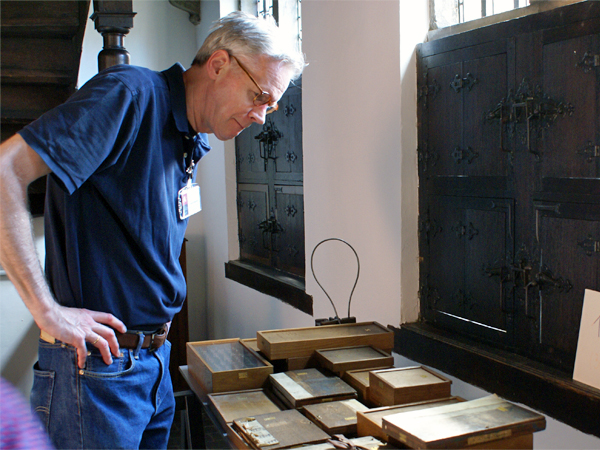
<point x="302" y="342"/>
<point x="359" y="380"/>
<point x="398" y="386"/>
<point x="226" y="365"/>
<point x="234" y="437"/>
<point x="337" y="417"/>
<point x="290" y="428"/>
<point x="365" y="442"/>
<point x="229" y="406"/>
<point x="297" y="388"/>
<point x="488" y="422"/>
<point x="340" y="360"/>
<point x="370" y="423"/>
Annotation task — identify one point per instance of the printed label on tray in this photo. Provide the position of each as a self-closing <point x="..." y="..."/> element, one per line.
<point x="257" y="433"/>
<point x="295" y="390"/>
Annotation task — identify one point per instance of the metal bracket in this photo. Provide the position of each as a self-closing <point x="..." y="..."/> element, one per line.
<point x="589" y="245"/>
<point x="467" y="82"/>
<point x="591" y="151"/>
<point x="427" y="90"/>
<point x="589" y="62"/>
<point x="267" y="141"/>
<point x="468" y="155"/>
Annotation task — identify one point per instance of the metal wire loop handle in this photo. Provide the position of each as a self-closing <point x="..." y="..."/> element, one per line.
<point x="357" y="273"/>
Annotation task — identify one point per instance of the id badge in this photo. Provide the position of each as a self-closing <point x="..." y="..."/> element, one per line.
<point x="188" y="201"/>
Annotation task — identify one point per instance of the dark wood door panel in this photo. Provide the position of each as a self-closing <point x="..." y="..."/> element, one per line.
<point x="466" y="270"/>
<point x="253" y="209"/>
<point x="566" y="263"/>
<point x="250" y="166"/>
<point x="442" y="123"/>
<point x="288" y="152"/>
<point x="571" y="123"/>
<point x="481" y="142"/>
<point x="461" y="87"/>
<point x="289" y="246"/>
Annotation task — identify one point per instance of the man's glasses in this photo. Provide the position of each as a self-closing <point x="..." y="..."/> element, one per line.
<point x="264" y="98"/>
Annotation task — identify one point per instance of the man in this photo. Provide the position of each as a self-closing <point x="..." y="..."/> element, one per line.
<point x="121" y="155"/>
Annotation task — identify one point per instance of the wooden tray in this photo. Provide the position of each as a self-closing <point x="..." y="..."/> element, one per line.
<point x="406" y="385"/>
<point x="229" y="406"/>
<point x="359" y="380"/>
<point x="251" y="343"/>
<point x="299" y="342"/>
<point x="226" y="365"/>
<point x="369" y="422"/>
<point x="474" y="423"/>
<point x="235" y="439"/>
<point x="337" y="417"/>
<point x="289" y="428"/>
<point x="362" y="442"/>
<point x="297" y="388"/>
<point x="340" y="360"/>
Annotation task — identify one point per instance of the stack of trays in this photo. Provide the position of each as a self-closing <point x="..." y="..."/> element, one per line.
<point x="302" y="342"/>
<point x="337" y="417"/>
<point x="229" y="406"/>
<point x="488" y="422"/>
<point x="370" y="422"/>
<point x="359" y="380"/>
<point x="298" y="388"/>
<point x="341" y="360"/>
<point x="283" y="429"/>
<point x="406" y="385"/>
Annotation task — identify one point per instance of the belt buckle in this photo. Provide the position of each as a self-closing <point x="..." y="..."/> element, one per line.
<point x="158" y="332"/>
<point x="150" y="347"/>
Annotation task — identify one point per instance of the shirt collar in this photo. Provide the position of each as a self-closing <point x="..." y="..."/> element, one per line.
<point x="174" y="76"/>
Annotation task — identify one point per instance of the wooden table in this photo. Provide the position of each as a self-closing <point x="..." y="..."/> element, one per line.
<point x="198" y="430"/>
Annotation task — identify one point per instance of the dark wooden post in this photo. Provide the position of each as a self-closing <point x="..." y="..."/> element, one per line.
<point x="113" y="19"/>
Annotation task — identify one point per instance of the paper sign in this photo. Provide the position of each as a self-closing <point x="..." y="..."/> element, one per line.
<point x="587" y="358"/>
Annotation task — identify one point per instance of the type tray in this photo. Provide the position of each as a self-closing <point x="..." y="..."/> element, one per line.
<point x="340" y="360"/>
<point x="337" y="417"/>
<point x="488" y="422"/>
<point x="370" y="423"/>
<point x="229" y="406"/>
<point x="297" y="388"/>
<point x="301" y="342"/>
<point x="283" y="429"/>
<point x="359" y="380"/>
<point x="226" y="365"/>
<point x="365" y="442"/>
<point x="406" y="385"/>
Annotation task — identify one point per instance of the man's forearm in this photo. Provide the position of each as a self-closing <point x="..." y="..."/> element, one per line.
<point x="18" y="167"/>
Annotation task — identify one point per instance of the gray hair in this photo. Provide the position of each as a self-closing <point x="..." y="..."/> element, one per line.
<point x="240" y="33"/>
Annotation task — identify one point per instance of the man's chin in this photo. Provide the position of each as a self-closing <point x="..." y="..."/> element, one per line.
<point x="228" y="135"/>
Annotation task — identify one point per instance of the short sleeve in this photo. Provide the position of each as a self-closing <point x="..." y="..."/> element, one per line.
<point x="88" y="132"/>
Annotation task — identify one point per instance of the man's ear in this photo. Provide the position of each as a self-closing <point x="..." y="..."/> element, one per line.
<point x="217" y="63"/>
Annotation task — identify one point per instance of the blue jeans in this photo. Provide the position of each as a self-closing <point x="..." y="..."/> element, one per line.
<point x="126" y="405"/>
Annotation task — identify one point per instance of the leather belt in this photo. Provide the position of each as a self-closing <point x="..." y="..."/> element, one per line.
<point x="130" y="339"/>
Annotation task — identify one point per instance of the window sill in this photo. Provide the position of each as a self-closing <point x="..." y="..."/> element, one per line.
<point x="285" y="287"/>
<point x="508" y="375"/>
<point x="534" y="8"/>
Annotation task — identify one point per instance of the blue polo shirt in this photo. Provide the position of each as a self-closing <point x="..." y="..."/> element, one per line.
<point x="118" y="150"/>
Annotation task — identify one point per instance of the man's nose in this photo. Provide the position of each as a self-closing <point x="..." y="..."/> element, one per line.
<point x="258" y="114"/>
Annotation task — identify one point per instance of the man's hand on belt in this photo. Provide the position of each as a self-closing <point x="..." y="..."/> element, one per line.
<point x="77" y="326"/>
